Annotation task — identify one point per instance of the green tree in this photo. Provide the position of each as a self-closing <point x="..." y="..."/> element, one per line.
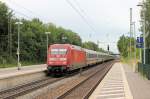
<point x="124" y="45"/>
<point x="90" y="45"/>
<point x="33" y="38"/>
<point x="147" y="19"/>
<point x="5" y="15"/>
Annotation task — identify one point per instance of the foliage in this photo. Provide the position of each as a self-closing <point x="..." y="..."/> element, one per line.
<point x="4" y="16"/>
<point x="146" y="10"/>
<point x="124" y="45"/>
<point x="32" y="38"/>
<point x="92" y="46"/>
<point x="4" y="19"/>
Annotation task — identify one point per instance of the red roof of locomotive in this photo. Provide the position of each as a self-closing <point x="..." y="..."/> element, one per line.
<point x="66" y="45"/>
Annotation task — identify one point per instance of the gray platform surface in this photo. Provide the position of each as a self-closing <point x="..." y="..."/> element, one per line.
<point x="5" y="72"/>
<point x="113" y="86"/>
<point x="139" y="86"/>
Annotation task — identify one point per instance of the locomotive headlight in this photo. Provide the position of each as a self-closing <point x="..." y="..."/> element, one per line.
<point x="63" y="59"/>
<point x="50" y="62"/>
<point x="64" y="62"/>
<point x="51" y="59"/>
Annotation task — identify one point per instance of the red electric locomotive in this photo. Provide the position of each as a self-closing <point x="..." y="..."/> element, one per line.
<point x="65" y="57"/>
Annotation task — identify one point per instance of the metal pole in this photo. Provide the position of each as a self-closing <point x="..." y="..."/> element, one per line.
<point x="47" y="33"/>
<point x="144" y="30"/>
<point x="134" y="41"/>
<point x="108" y="49"/>
<point x="130" y="30"/>
<point x="107" y="36"/>
<point x="134" y="32"/>
<point x="9" y="34"/>
<point x="140" y="55"/>
<point x="47" y="43"/>
<point x="10" y="37"/>
<point x="18" y="50"/>
<point x="97" y="43"/>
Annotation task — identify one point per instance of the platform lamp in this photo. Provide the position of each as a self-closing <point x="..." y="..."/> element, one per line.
<point x="18" y="49"/>
<point x="142" y="5"/>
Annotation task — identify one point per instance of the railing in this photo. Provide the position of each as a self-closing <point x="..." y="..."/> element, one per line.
<point x="144" y="69"/>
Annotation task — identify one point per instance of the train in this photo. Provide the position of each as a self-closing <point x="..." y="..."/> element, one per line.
<point x="62" y="58"/>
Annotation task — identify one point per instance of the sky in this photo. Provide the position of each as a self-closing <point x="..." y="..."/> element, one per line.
<point x="108" y="19"/>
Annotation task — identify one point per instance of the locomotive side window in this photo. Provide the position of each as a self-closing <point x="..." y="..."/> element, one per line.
<point x="58" y="51"/>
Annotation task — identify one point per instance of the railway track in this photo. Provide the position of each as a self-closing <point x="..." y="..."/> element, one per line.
<point x="84" y="89"/>
<point x="27" y="88"/>
<point x="20" y="90"/>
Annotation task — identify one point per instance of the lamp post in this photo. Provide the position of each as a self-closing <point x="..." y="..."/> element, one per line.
<point x="142" y="5"/>
<point x="134" y="40"/>
<point x="134" y="33"/>
<point x="18" y="49"/>
<point x="47" y="33"/>
<point x="130" y="33"/>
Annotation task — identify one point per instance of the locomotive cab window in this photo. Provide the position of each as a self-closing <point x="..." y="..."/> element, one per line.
<point x="54" y="51"/>
<point x="62" y="51"/>
<point x="58" y="51"/>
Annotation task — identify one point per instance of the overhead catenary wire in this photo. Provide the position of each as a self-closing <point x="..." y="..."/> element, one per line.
<point x="22" y="14"/>
<point x="34" y="14"/>
<point x="18" y="12"/>
<point x="78" y="11"/>
<point x="81" y="15"/>
<point x="85" y="14"/>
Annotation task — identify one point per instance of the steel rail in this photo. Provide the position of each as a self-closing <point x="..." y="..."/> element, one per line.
<point x="81" y="83"/>
<point x="98" y="82"/>
<point x="27" y="88"/>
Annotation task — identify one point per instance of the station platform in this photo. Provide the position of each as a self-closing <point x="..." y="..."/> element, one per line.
<point x="139" y="86"/>
<point x="114" y="85"/>
<point x="9" y="72"/>
<point x="121" y="82"/>
<point x="12" y="77"/>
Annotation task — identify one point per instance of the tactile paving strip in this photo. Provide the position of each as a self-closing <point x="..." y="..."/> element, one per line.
<point x="112" y="86"/>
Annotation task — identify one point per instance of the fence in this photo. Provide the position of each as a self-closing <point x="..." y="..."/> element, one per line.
<point x="144" y="69"/>
<point x="147" y="56"/>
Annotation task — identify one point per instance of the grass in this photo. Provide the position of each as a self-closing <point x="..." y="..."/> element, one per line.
<point x="132" y="62"/>
<point x="129" y="60"/>
<point x="9" y="65"/>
